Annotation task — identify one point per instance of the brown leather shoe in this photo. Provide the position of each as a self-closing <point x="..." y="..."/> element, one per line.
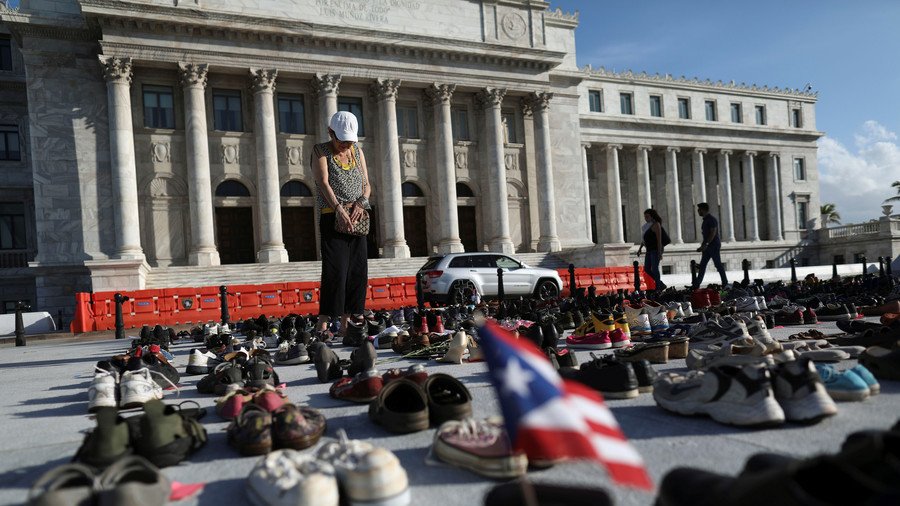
<point x="296" y="427"/>
<point x="448" y="398"/>
<point x="400" y="407"/>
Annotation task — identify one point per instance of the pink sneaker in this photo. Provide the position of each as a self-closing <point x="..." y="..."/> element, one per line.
<point x="592" y="341"/>
<point x="618" y="338"/>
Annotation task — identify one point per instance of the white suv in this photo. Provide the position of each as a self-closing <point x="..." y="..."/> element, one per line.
<point x="455" y="278"/>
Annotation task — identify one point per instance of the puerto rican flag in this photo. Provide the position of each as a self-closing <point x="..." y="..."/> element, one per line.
<point x="552" y="419"/>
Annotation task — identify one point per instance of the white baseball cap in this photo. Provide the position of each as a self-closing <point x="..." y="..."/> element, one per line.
<point x="345" y="126"/>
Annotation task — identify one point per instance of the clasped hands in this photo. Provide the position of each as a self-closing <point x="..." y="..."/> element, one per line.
<point x="346" y="222"/>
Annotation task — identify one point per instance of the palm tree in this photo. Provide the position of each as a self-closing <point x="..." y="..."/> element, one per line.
<point x="829" y="214"/>
<point x="895" y="184"/>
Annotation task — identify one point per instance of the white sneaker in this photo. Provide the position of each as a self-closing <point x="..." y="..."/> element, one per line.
<point x="199" y="362"/>
<point x="103" y="390"/>
<point x="687" y="309"/>
<point x="658" y="319"/>
<point x="138" y="387"/>
<point x="746" y="304"/>
<point x="368" y="474"/>
<point x="288" y="478"/>
<point x="761" y="302"/>
<point x="638" y="321"/>
<point x="675" y="311"/>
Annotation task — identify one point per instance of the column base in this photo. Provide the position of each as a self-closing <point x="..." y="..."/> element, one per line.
<point x="117" y="275"/>
<point x="132" y="254"/>
<point x="502" y="245"/>
<point x="399" y="250"/>
<point x="549" y="245"/>
<point x="272" y="256"/>
<point x="450" y="246"/>
<point x="204" y="258"/>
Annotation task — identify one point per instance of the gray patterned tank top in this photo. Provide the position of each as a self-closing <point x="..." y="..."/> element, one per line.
<point x="347" y="184"/>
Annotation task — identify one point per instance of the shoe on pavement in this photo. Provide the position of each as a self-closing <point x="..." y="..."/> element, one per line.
<point x="800" y="392"/>
<point x="104" y="390"/>
<point x="882" y="362"/>
<point x="289" y="478"/>
<point x="448" y="398"/>
<point x="612" y="378"/>
<point x="251" y="431"/>
<point x="362" y="388"/>
<point x="201" y="362"/>
<point x="296" y="427"/>
<point x="291" y="353"/>
<point x="479" y="446"/>
<point x="108" y="442"/>
<point x="400" y="407"/>
<point x="367" y="474"/>
<point x="843" y="385"/>
<point x="591" y="341"/>
<point x="165" y="435"/>
<point x="133" y="481"/>
<point x="137" y="388"/>
<point x="66" y="485"/>
<point x="866" y="375"/>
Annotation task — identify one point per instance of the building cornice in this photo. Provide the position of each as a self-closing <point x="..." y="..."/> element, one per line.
<point x="25" y="24"/>
<point x="699" y="84"/>
<point x="561" y="19"/>
<point x="639" y="125"/>
<point x="132" y="18"/>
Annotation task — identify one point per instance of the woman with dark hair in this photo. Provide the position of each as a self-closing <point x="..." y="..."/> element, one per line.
<point x="655" y="239"/>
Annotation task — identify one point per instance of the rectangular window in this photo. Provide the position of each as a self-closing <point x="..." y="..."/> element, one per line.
<point x="408" y="121"/>
<point x="736" y="113"/>
<point x="227" y="110"/>
<point x="509" y="124"/>
<point x="595" y="100"/>
<point x="710" y="106"/>
<point x="799" y="169"/>
<point x="353" y="105"/>
<point x="666" y="269"/>
<point x="625" y="103"/>
<point x="656" y="106"/>
<point x="760" y="115"/>
<point x="839" y="259"/>
<point x="159" y="107"/>
<point x="460" y="124"/>
<point x="9" y="143"/>
<point x="5" y="53"/>
<point x="12" y="226"/>
<point x="802" y="214"/>
<point x="684" y="108"/>
<point x="291" y="114"/>
<point x="796" y="118"/>
<point x="770" y="264"/>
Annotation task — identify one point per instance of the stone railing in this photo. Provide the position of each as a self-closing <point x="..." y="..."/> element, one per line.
<point x="870" y="228"/>
<point x="11" y="259"/>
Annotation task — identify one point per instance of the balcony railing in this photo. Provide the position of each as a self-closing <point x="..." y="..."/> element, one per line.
<point x="10" y="259"/>
<point x="884" y="227"/>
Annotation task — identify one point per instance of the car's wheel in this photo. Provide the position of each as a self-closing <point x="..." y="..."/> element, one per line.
<point x="546" y="290"/>
<point x="461" y="292"/>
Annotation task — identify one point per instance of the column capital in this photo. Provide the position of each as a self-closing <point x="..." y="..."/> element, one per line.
<point x="385" y="89"/>
<point x="193" y="74"/>
<point x="491" y="97"/>
<point x="263" y="80"/>
<point x="586" y="145"/>
<point x="644" y="147"/>
<point x="540" y="101"/>
<point x="440" y="94"/>
<point x="527" y="107"/>
<point x="116" y="70"/>
<point x="725" y="152"/>
<point x="774" y="154"/>
<point x="613" y="147"/>
<point x="749" y="153"/>
<point x="326" y="84"/>
<point x="672" y="149"/>
<point x="700" y="151"/>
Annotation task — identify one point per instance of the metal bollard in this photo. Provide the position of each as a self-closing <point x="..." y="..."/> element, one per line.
<point x="834" y="274"/>
<point x="120" y="320"/>
<point x="637" y="276"/>
<point x="20" y="325"/>
<point x="572" y="284"/>
<point x="865" y="266"/>
<point x="888" y="269"/>
<point x="880" y="267"/>
<point x="223" y="301"/>
<point x="793" y="270"/>
<point x="693" y="272"/>
<point x="745" y="265"/>
<point x="420" y="292"/>
<point x="500" y="292"/>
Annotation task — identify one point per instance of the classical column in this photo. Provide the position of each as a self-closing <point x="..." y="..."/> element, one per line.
<point x="394" y="243"/>
<point x="326" y="86"/>
<point x="699" y="189"/>
<point x="203" y="245"/>
<point x="448" y="242"/>
<point x="271" y="251"/>
<point x="614" y="192"/>
<point x="549" y="240"/>
<point x="498" y="238"/>
<point x="726" y="221"/>
<point x="586" y="180"/>
<point x="773" y="195"/>
<point x="645" y="194"/>
<point x="752" y="231"/>
<point x="674" y="195"/>
<point x="117" y="72"/>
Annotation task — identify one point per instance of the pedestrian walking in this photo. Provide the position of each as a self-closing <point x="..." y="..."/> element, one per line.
<point x="711" y="246"/>
<point x="654" y="239"/>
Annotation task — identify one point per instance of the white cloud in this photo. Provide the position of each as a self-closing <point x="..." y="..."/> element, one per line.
<point x="857" y="182"/>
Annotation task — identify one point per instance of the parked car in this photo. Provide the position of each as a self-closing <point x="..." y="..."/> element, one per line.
<point x="456" y="277"/>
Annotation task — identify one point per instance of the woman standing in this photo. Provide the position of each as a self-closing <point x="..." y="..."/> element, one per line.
<point x="655" y="239"/>
<point x="342" y="181"/>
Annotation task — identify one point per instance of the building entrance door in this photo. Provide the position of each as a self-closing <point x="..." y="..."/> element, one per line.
<point x="298" y="227"/>
<point x="234" y="235"/>
<point x="415" y="230"/>
<point x="468" y="233"/>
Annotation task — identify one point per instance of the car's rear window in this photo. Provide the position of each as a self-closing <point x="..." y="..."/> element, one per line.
<point x="460" y="262"/>
<point x="431" y="263"/>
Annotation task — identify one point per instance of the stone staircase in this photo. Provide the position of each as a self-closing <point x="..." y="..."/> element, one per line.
<point x="256" y="274"/>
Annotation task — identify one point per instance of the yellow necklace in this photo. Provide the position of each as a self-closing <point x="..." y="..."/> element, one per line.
<point x="345" y="166"/>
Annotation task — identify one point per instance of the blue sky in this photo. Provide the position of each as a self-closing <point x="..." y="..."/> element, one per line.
<point x="846" y="50"/>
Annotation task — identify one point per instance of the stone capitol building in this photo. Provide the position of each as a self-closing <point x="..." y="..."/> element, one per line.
<point x="144" y="135"/>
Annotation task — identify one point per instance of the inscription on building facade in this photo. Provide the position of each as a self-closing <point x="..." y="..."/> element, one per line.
<point x="369" y="11"/>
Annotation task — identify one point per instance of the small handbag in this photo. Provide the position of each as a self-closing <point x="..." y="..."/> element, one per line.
<point x="360" y="228"/>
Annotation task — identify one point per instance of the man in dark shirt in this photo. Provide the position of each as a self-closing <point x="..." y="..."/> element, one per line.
<point x="711" y="246"/>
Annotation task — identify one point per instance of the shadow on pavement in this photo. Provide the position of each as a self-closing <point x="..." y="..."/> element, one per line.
<point x="25" y="476"/>
<point x="80" y="397"/>
<point x="633" y="420"/>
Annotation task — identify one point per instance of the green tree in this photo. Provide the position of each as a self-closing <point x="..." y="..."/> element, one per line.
<point x="829" y="215"/>
<point x="896" y="186"/>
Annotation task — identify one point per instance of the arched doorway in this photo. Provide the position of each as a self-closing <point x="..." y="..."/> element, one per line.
<point x="298" y="221"/>
<point x="465" y="208"/>
<point x="234" y="223"/>
<point x="414" y="222"/>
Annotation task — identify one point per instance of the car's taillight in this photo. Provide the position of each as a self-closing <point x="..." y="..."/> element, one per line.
<point x="434" y="274"/>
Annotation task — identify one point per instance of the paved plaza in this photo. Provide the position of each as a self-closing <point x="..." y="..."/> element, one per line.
<point x="43" y="414"/>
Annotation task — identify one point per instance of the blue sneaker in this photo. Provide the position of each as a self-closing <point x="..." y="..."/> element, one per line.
<point x="843" y="385"/>
<point x="869" y="378"/>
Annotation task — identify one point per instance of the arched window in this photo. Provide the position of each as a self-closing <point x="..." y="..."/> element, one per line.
<point x="294" y="188"/>
<point x="232" y="188"/>
<point x="411" y="190"/>
<point x="463" y="190"/>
